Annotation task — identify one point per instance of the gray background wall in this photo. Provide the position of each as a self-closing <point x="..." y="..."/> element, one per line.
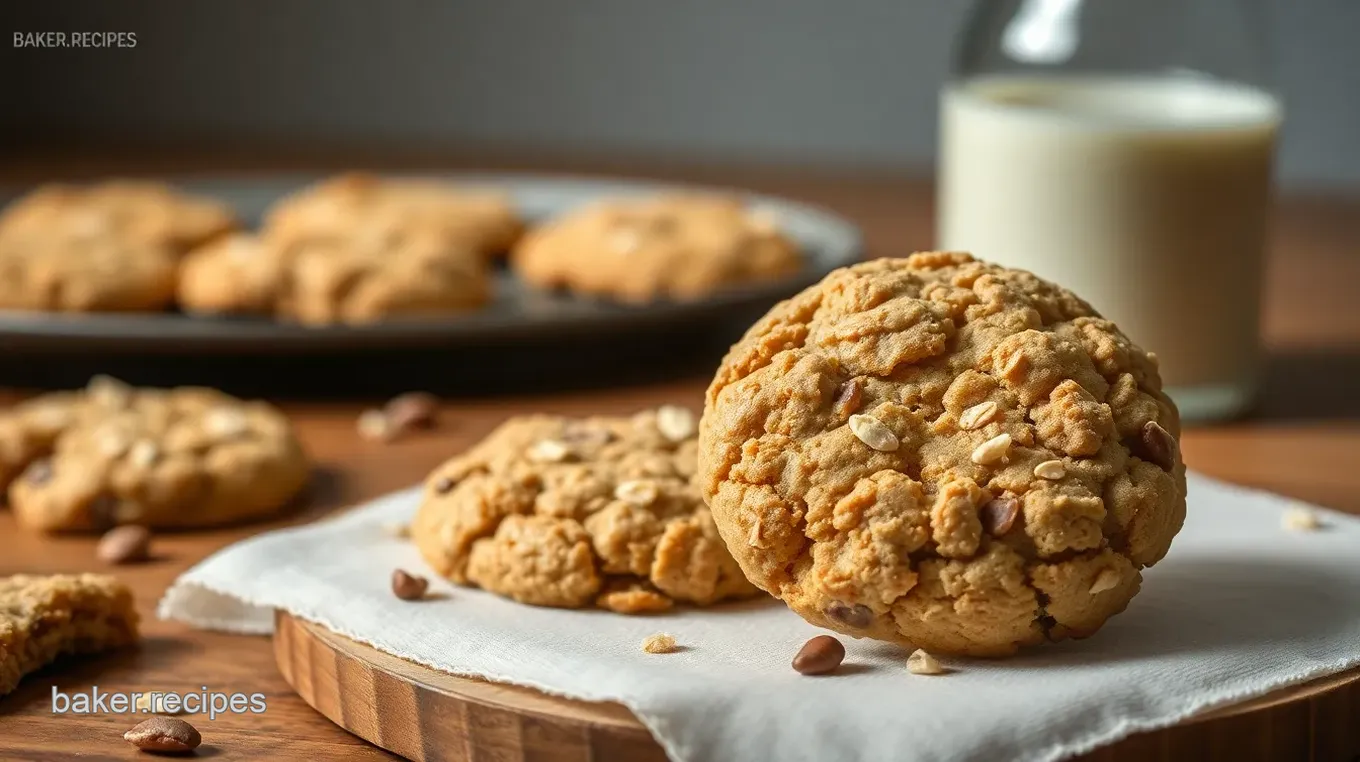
<point x="822" y="82"/>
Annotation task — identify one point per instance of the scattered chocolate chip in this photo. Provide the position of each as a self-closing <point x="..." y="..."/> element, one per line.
<point x="848" y="398"/>
<point x="819" y="656"/>
<point x="164" y="734"/>
<point x="998" y="515"/>
<point x="39" y="472"/>
<point x="408" y="587"/>
<point x="444" y="485"/>
<point x="1159" y="446"/>
<point x="852" y="615"/>
<point x="413" y="410"/>
<point x="124" y="545"/>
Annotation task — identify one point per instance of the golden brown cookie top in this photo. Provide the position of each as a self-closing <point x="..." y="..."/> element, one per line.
<point x="675" y="246"/>
<point x="565" y="512"/>
<point x="357" y="204"/>
<point x="932" y="433"/>
<point x="135" y="211"/>
<point x="113" y="454"/>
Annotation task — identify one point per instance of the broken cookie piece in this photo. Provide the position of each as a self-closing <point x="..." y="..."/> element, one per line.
<point x="45" y="618"/>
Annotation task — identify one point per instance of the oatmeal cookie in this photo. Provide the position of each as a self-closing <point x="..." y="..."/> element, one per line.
<point x="44" y="618"/>
<point x="570" y="513"/>
<point x="678" y="247"/>
<point x="943" y="453"/>
<point x="133" y="212"/>
<point x="373" y="275"/>
<point x="482" y="222"/>
<point x="53" y="272"/>
<point x="179" y="458"/>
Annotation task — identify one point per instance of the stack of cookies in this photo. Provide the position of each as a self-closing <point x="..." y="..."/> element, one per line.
<point x="358" y="249"/>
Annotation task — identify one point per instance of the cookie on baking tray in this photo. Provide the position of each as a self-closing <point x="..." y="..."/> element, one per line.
<point x="177" y="458"/>
<point x="372" y="275"/>
<point x="43" y="618"/>
<point x="133" y="212"/>
<point x="353" y="204"/>
<point x="572" y="513"/>
<point x="109" y="247"/>
<point x="52" y="272"/>
<point x="639" y="250"/>
<point x="943" y="453"/>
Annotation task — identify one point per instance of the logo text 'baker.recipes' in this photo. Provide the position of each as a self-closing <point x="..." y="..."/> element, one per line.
<point x="75" y="39"/>
<point x="205" y="701"/>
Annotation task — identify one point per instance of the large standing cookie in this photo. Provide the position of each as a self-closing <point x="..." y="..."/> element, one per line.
<point x="943" y="453"/>
<point x="679" y="247"/>
<point x="370" y="276"/>
<point x="481" y="222"/>
<point x="130" y="211"/>
<point x="559" y="512"/>
<point x="45" y="618"/>
<point x="177" y="458"/>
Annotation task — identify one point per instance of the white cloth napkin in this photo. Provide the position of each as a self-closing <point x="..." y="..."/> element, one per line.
<point x="1239" y="607"/>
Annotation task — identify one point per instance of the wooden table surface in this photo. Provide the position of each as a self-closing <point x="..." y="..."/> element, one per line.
<point x="1304" y="442"/>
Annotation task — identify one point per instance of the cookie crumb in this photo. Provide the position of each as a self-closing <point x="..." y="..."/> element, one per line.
<point x="375" y="426"/>
<point x="1300" y="519"/>
<point x="922" y="663"/>
<point x="660" y="643"/>
<point x="397" y="529"/>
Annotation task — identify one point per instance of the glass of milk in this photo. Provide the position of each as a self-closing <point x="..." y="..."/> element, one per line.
<point x="1123" y="148"/>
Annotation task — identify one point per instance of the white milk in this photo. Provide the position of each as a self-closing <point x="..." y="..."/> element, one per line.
<point x="1147" y="197"/>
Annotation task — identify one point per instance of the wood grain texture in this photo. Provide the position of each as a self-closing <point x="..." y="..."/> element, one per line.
<point x="1305" y="443"/>
<point x="431" y="716"/>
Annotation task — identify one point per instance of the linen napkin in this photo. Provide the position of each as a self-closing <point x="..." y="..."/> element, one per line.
<point x="1240" y="606"/>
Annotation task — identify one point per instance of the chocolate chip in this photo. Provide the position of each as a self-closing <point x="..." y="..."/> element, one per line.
<point x="164" y="734"/>
<point x="444" y="485"/>
<point x="413" y="410"/>
<point x="1158" y="446"/>
<point x="408" y="587"/>
<point x="998" y="515"/>
<point x="848" y="398"/>
<point x="39" y="472"/>
<point x="124" y="545"/>
<point x="852" y="615"/>
<point x="819" y="656"/>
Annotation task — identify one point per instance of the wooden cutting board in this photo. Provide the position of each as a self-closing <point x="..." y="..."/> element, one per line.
<point x="425" y="715"/>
